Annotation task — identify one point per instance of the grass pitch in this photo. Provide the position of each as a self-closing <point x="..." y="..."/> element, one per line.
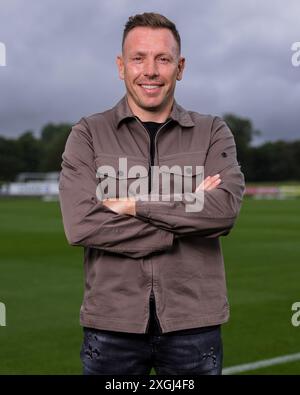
<point x="41" y="284"/>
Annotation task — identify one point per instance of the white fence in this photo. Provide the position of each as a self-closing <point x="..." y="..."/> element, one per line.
<point x="32" y="184"/>
<point x="273" y="192"/>
<point x="31" y="188"/>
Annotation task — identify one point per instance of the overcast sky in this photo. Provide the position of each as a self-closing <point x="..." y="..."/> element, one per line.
<point x="61" y="60"/>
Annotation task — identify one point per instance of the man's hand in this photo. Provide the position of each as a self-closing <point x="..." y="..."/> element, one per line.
<point x="209" y="183"/>
<point x="124" y="205"/>
<point x="127" y="205"/>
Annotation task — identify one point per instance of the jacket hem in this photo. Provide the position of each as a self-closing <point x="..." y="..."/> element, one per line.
<point x="110" y="324"/>
<point x="168" y="325"/>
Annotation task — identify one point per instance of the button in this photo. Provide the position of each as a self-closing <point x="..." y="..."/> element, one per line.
<point x="224" y="154"/>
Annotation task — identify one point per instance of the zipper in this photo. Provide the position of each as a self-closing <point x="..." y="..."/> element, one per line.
<point x="165" y="124"/>
<point x="150" y="164"/>
<point x="152" y="296"/>
<point x="152" y="313"/>
<point x="155" y="315"/>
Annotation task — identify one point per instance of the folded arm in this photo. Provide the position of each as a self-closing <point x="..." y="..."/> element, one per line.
<point x="89" y="223"/>
<point x="221" y="205"/>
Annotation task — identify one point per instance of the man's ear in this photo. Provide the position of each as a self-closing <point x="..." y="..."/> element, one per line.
<point x="181" y="65"/>
<point x="120" y="64"/>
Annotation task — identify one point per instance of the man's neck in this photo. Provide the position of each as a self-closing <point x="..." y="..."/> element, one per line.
<point x="150" y="116"/>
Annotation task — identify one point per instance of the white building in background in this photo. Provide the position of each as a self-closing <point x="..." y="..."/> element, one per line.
<point x="33" y="184"/>
<point x="2" y="314"/>
<point x="2" y="54"/>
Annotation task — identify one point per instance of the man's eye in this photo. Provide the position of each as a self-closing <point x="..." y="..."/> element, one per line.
<point x="163" y="60"/>
<point x="137" y="58"/>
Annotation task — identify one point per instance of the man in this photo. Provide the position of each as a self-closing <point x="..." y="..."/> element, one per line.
<point x="155" y="291"/>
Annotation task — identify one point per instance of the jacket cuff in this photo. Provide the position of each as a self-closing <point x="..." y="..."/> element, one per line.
<point x="142" y="211"/>
<point x="144" y="208"/>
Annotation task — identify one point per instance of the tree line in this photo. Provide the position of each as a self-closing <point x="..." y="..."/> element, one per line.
<point x="271" y="161"/>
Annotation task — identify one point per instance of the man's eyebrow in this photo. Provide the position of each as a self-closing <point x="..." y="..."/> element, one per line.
<point x="165" y="54"/>
<point x="141" y="53"/>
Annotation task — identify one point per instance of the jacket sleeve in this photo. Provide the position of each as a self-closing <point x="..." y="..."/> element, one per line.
<point x="87" y="222"/>
<point x="220" y="206"/>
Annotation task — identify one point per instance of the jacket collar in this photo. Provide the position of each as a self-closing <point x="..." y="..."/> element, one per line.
<point x="122" y="111"/>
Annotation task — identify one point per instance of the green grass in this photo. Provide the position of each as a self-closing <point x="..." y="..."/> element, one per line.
<point x="262" y="264"/>
<point x="41" y="284"/>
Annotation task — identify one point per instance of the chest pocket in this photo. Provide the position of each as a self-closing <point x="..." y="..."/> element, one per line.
<point x="182" y="172"/>
<point x="121" y="176"/>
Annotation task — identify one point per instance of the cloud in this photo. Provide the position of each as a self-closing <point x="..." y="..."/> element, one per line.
<point x="61" y="60"/>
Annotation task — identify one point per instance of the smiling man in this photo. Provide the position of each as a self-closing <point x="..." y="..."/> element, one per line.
<point x="155" y="290"/>
<point x="150" y="65"/>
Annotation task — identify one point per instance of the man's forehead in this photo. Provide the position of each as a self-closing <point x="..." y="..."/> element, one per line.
<point x="141" y="39"/>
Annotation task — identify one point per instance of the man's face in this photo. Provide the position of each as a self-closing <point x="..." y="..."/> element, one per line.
<point x="150" y="65"/>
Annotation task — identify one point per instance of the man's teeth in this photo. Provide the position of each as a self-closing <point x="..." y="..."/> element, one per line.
<point x="150" y="86"/>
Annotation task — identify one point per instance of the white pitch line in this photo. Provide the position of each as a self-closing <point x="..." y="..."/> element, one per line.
<point x="261" y="364"/>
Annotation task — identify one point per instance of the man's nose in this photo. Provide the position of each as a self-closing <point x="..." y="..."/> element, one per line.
<point x="150" y="68"/>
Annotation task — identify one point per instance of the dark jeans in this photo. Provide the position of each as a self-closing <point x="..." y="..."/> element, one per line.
<point x="117" y="353"/>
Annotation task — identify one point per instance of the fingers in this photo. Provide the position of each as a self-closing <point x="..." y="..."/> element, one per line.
<point x="213" y="182"/>
<point x="209" y="183"/>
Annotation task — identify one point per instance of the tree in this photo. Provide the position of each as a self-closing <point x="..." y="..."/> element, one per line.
<point x="243" y="132"/>
<point x="30" y="152"/>
<point x="275" y="161"/>
<point x="10" y="161"/>
<point x="53" y="140"/>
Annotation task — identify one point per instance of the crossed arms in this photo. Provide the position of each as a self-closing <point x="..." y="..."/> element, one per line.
<point x="139" y="228"/>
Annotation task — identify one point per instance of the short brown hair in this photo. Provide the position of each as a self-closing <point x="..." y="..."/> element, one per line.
<point x="153" y="20"/>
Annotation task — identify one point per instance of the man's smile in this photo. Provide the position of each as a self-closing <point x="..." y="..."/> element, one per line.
<point x="151" y="88"/>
